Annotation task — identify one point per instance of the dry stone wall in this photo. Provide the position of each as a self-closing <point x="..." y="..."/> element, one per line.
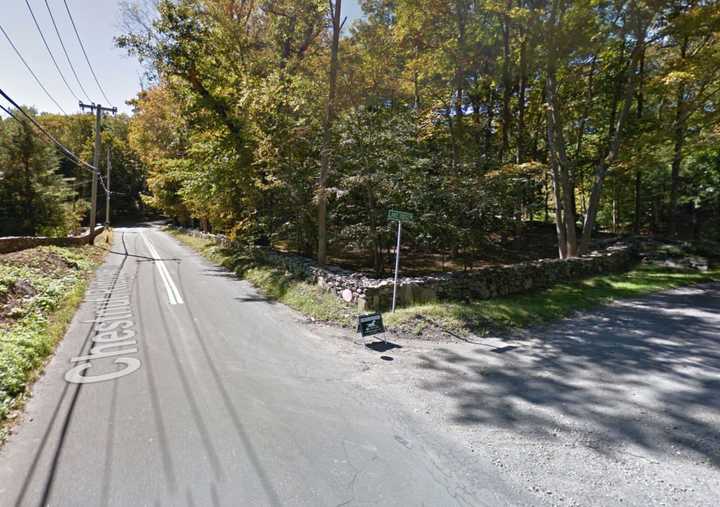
<point x="483" y="283"/>
<point x="15" y="243"/>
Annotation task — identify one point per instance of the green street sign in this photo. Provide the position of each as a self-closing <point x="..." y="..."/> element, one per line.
<point x="400" y="216"/>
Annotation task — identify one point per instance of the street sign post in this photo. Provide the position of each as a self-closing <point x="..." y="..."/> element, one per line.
<point x="370" y="324"/>
<point x="400" y="216"/>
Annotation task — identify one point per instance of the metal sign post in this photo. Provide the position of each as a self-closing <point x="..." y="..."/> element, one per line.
<point x="400" y="216"/>
<point x="397" y="264"/>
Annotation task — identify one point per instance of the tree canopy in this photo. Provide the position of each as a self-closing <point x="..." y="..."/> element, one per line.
<point x="43" y="192"/>
<point x="476" y="115"/>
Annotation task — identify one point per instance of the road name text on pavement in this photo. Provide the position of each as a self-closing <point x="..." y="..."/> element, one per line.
<point x="170" y="287"/>
<point x="112" y="332"/>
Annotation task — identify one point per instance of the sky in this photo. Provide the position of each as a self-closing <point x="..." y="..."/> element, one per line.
<point x="98" y="22"/>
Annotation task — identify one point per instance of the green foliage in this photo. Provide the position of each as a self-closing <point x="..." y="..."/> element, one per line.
<point x="273" y="283"/>
<point x="442" y="110"/>
<point x="34" y="324"/>
<point x="42" y="192"/>
<point x="32" y="193"/>
<point x="562" y="300"/>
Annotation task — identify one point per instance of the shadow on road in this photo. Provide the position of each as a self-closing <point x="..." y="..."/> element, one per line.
<point x="645" y="373"/>
<point x="383" y="346"/>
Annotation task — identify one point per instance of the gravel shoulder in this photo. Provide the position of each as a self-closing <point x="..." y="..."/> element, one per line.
<point x="620" y="406"/>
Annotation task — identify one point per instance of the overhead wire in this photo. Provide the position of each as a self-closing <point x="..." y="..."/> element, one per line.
<point x="67" y="56"/>
<point x="82" y="46"/>
<point x="9" y="113"/>
<point x="42" y="129"/>
<point x="22" y="59"/>
<point x="66" y="151"/>
<point x="52" y="57"/>
<point x="75" y="160"/>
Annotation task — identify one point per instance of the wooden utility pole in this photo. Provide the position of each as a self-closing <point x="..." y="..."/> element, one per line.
<point x="107" y="190"/>
<point x="98" y="109"/>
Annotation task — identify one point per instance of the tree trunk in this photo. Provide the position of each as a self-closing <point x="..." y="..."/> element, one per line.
<point x="616" y="206"/>
<point x="488" y="125"/>
<point x="616" y="138"/>
<point x="460" y="13"/>
<point x="521" y="103"/>
<point x="377" y="239"/>
<point x="327" y="134"/>
<point x="638" y="182"/>
<point x="679" y="135"/>
<point x="507" y="83"/>
<point x="638" y="171"/>
<point x="559" y="223"/>
<point x="564" y="192"/>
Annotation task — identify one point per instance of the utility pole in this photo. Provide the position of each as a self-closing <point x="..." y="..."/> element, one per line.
<point x="98" y="109"/>
<point x="107" y="194"/>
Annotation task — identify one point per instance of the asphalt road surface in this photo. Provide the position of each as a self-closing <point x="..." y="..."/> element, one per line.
<point x="177" y="384"/>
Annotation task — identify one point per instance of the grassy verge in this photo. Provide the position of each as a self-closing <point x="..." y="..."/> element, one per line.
<point x="557" y="302"/>
<point x="40" y="289"/>
<point x="274" y="283"/>
<point x="461" y="318"/>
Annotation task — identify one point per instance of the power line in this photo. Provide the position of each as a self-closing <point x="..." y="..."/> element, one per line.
<point x="73" y="158"/>
<point x="9" y="113"/>
<point x="17" y="52"/>
<point x="66" y="151"/>
<point x="52" y="57"/>
<point x="77" y="34"/>
<point x="67" y="56"/>
<point x="62" y="147"/>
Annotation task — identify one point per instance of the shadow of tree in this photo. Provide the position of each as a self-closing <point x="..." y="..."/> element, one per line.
<point x="642" y="373"/>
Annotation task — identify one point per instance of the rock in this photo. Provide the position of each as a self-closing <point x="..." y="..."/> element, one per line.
<point x="23" y="288"/>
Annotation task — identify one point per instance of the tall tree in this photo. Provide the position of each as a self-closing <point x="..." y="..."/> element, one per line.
<point x="335" y="12"/>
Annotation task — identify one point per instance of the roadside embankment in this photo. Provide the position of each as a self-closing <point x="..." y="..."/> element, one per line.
<point x="451" y="320"/>
<point x="40" y="289"/>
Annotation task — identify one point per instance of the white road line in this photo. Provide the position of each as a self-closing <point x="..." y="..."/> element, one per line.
<point x="172" y="290"/>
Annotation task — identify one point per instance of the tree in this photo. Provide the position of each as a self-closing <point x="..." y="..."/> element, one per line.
<point x="33" y="196"/>
<point x="335" y="13"/>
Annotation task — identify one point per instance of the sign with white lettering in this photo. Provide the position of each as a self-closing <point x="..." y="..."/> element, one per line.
<point x="400" y="216"/>
<point x="371" y="324"/>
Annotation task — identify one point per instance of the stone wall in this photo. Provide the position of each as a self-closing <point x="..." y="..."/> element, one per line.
<point x="344" y="284"/>
<point x="498" y="281"/>
<point x="483" y="283"/>
<point x="15" y="243"/>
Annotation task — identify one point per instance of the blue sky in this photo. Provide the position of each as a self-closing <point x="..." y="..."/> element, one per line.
<point x="98" y="21"/>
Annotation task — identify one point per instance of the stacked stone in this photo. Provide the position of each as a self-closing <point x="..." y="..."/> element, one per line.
<point x="17" y="243"/>
<point x="484" y="283"/>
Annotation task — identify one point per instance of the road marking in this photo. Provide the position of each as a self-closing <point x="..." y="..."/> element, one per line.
<point x="170" y="287"/>
<point x="112" y="336"/>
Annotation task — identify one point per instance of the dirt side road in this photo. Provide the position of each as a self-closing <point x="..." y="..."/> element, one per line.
<point x="617" y="407"/>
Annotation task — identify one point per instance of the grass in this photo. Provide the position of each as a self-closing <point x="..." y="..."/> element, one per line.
<point x="274" y="283"/>
<point x="31" y="324"/>
<point x="461" y="318"/>
<point x="557" y="302"/>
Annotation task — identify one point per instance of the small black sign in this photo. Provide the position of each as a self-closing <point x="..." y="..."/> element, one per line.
<point x="369" y="325"/>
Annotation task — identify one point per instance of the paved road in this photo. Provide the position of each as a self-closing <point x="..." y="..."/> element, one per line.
<point x="179" y="385"/>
